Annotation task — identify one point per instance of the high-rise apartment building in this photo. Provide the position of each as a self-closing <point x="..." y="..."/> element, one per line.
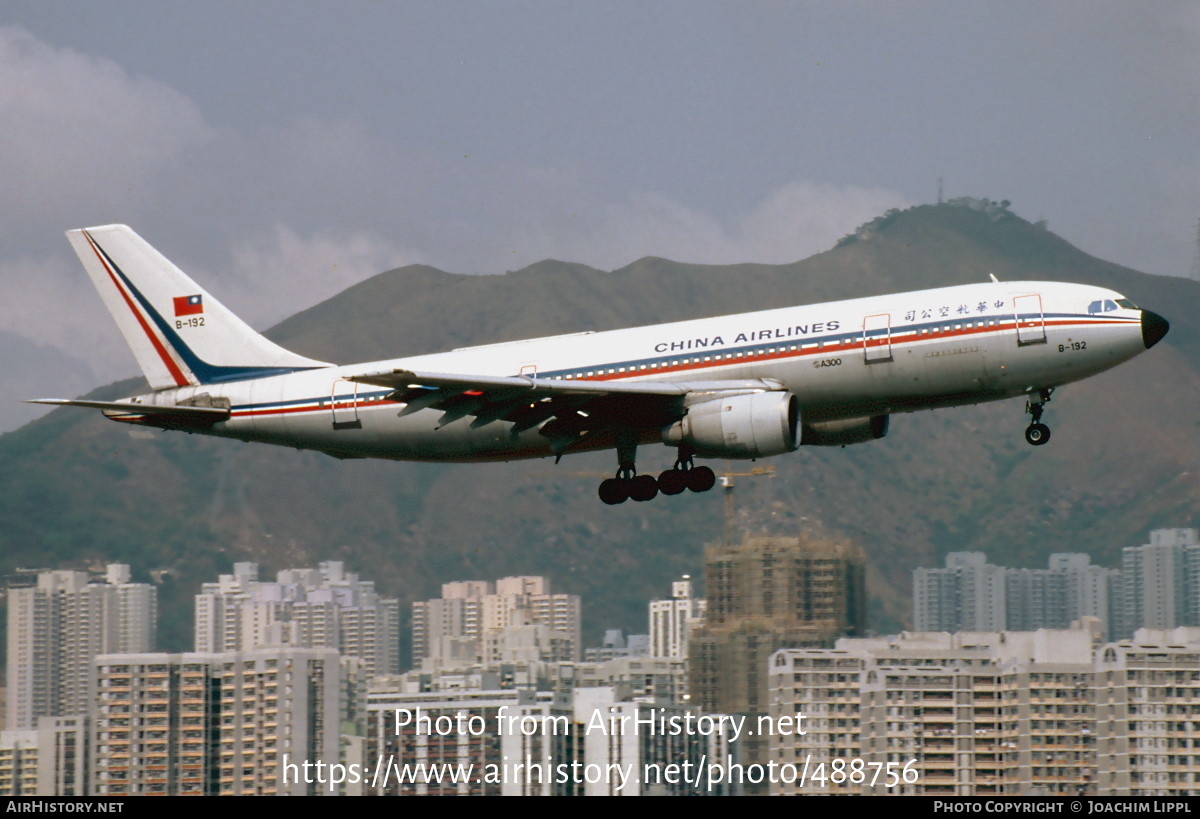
<point x="970" y="594"/>
<point x="454" y="628"/>
<point x="967" y="595"/>
<point x="1158" y="586"/>
<point x="64" y="756"/>
<point x="1045" y="713"/>
<point x="1147" y="720"/>
<point x="18" y="763"/>
<point x="672" y="621"/>
<point x="493" y="741"/>
<point x="215" y="724"/>
<point x="765" y="594"/>
<point x="57" y="622"/>
<point x="1160" y="582"/>
<point x="483" y="739"/>
<point x="326" y="607"/>
<point x="948" y="714"/>
<point x="51" y="760"/>
<point x="1087" y="590"/>
<point x="154" y="717"/>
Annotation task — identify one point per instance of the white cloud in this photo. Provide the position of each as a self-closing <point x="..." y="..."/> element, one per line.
<point x="804" y="218"/>
<point x="80" y="134"/>
<point x="51" y="301"/>
<point x="283" y="272"/>
<point x="790" y="223"/>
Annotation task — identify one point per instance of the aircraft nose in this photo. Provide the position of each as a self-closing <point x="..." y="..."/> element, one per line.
<point x="1154" y="327"/>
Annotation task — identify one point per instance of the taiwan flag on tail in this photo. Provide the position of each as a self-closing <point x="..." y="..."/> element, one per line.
<point x="188" y="305"/>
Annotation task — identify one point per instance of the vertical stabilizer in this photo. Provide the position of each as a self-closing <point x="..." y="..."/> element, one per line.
<point x="178" y="332"/>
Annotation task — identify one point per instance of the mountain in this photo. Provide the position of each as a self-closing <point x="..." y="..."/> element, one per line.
<point x="1125" y="456"/>
<point x="20" y="360"/>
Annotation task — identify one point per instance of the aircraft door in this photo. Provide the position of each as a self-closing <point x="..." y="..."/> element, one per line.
<point x="877" y="338"/>
<point x="1031" y="321"/>
<point x="343" y="401"/>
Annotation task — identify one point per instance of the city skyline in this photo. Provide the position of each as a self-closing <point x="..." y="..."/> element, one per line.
<point x="1157" y="585"/>
<point x="687" y="592"/>
<point x="233" y="716"/>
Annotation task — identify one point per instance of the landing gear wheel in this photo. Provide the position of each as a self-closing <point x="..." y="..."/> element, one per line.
<point x="701" y="479"/>
<point x="614" y="491"/>
<point x="673" y="481"/>
<point x="1037" y="434"/>
<point x="643" y="488"/>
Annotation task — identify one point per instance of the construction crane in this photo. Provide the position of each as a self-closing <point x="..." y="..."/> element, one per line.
<point x="726" y="481"/>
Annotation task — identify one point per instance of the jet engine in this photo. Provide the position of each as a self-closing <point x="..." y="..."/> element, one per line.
<point x="755" y="425"/>
<point x="841" y="433"/>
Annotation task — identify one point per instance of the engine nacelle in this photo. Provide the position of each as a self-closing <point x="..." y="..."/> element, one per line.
<point x="756" y="425"/>
<point x="841" y="433"/>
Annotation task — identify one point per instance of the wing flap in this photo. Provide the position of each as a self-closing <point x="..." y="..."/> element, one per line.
<point x="404" y="382"/>
<point x="566" y="410"/>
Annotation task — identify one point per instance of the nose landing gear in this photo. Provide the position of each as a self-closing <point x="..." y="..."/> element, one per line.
<point x="1037" y="433"/>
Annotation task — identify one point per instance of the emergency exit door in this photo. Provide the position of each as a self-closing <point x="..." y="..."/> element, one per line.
<point x="343" y="402"/>
<point x="1031" y="321"/>
<point x="877" y="338"/>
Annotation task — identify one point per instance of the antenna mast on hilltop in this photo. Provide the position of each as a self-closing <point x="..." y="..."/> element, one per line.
<point x="939" y="190"/>
<point x="1195" y="274"/>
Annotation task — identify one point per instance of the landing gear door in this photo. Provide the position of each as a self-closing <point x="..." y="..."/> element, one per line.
<point x="343" y="401"/>
<point x="877" y="338"/>
<point x="1031" y="321"/>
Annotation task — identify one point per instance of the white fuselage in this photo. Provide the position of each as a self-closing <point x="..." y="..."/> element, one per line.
<point x="847" y="359"/>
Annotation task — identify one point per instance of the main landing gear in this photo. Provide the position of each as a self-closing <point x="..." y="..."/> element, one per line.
<point x="1037" y="433"/>
<point x="628" y="485"/>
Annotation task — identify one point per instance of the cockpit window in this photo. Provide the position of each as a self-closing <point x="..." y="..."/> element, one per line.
<point x="1108" y="305"/>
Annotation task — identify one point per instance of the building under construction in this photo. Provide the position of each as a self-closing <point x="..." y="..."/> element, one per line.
<point x="765" y="594"/>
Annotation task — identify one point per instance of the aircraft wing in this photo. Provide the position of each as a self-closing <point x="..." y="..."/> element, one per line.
<point x="570" y="409"/>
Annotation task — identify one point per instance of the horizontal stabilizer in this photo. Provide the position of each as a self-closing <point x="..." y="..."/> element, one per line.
<point x="206" y="414"/>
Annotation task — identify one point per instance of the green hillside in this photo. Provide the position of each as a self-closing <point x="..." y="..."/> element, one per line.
<point x="1125" y="457"/>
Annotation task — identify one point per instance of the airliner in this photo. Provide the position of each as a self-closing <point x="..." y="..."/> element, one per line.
<point x="747" y="386"/>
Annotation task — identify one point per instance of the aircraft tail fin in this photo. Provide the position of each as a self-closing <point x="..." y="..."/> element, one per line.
<point x="179" y="334"/>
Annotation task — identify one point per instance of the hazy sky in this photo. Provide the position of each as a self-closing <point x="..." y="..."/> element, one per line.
<point x="280" y="151"/>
